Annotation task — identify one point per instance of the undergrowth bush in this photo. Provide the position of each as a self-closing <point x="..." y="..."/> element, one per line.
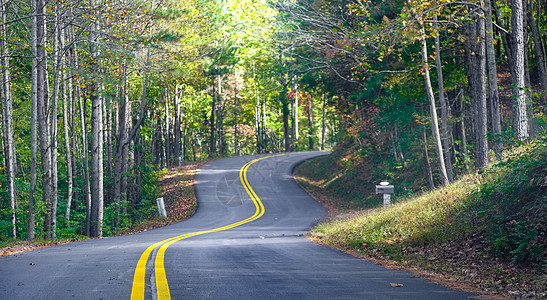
<point x="513" y="201"/>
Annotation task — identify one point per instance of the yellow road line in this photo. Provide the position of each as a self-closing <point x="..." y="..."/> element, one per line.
<point x="162" y="286"/>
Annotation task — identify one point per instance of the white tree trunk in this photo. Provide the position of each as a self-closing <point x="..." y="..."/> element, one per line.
<point x="493" y="90"/>
<point x="433" y="111"/>
<point x="11" y="160"/>
<point x="517" y="65"/>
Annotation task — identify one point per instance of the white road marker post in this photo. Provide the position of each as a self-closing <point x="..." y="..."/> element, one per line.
<point x="386" y="190"/>
<point x="161" y="207"/>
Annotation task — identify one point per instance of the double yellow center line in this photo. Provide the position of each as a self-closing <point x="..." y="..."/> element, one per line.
<point x="162" y="287"/>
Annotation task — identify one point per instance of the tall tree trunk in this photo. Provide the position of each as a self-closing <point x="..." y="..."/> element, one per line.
<point x="295" y="113"/>
<point x="177" y="124"/>
<point x="286" y="129"/>
<point x="220" y="119"/>
<point x="212" y="146"/>
<point x="236" y="112"/>
<point x="257" y="126"/>
<point x="167" y="137"/>
<point x="97" y="192"/>
<point x="493" y="91"/>
<point x="310" y="124"/>
<point x="538" y="47"/>
<point x="444" y="108"/>
<point x="323" y="125"/>
<point x="87" y="187"/>
<point x="57" y="69"/>
<point x="11" y="160"/>
<point x="121" y="149"/>
<point x="433" y="111"/>
<point x="476" y="69"/>
<point x="67" y="135"/>
<point x="35" y="44"/>
<point x="43" y="120"/>
<point x="517" y="66"/>
<point x="96" y="229"/>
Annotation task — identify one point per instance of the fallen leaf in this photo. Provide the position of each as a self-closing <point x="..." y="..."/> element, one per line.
<point x="395" y="284"/>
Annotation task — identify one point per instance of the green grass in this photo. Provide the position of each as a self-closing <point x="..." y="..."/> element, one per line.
<point x="421" y="220"/>
<point x="489" y="228"/>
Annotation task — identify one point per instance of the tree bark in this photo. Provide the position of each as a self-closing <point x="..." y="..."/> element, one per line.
<point x="295" y="114"/>
<point x="433" y="111"/>
<point x="517" y="66"/>
<point x="177" y="129"/>
<point x="96" y="229"/>
<point x="310" y="124"/>
<point x="167" y="133"/>
<point x="43" y="120"/>
<point x="35" y="45"/>
<point x="68" y="149"/>
<point x="236" y="112"/>
<point x="323" y="125"/>
<point x="493" y="90"/>
<point x="220" y="119"/>
<point x="286" y="129"/>
<point x="538" y="47"/>
<point x="476" y="71"/>
<point x="11" y="159"/>
<point x="85" y="148"/>
<point x="444" y="109"/>
<point x="212" y="146"/>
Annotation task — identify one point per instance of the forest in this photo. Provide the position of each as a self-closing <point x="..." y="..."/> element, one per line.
<point x="99" y="96"/>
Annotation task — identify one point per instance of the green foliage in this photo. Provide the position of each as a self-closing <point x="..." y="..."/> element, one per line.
<point x="513" y="199"/>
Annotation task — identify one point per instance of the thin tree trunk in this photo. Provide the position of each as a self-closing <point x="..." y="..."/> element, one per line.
<point x="517" y="65"/>
<point x="177" y="124"/>
<point x="68" y="149"/>
<point x="286" y="137"/>
<point x="43" y="121"/>
<point x="236" y="111"/>
<point x="11" y="159"/>
<point x="444" y="109"/>
<point x="295" y="111"/>
<point x="96" y="165"/>
<point x="167" y="136"/>
<point x="212" y="146"/>
<point x="538" y="47"/>
<point x="31" y="234"/>
<point x="310" y="123"/>
<point x="220" y="119"/>
<point x="323" y="126"/>
<point x="82" y="104"/>
<point x="433" y="111"/>
<point x="493" y="91"/>
<point x="57" y="69"/>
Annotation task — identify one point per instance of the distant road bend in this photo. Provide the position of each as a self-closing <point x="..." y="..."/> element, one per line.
<point x="246" y="241"/>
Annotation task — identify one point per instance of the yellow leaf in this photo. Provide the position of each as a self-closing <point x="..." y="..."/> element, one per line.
<point x="396" y="284"/>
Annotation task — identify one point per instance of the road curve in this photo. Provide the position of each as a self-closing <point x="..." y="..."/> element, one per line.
<point x="246" y="241"/>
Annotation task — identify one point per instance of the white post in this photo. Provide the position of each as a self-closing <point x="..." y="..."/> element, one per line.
<point x="161" y="207"/>
<point x="387" y="200"/>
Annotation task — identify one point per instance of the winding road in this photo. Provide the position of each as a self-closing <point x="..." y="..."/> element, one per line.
<point x="246" y="241"/>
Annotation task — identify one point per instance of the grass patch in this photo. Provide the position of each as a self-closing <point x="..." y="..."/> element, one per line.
<point x="487" y="229"/>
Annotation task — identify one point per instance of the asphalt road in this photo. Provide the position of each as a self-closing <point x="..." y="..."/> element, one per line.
<point x="246" y="241"/>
